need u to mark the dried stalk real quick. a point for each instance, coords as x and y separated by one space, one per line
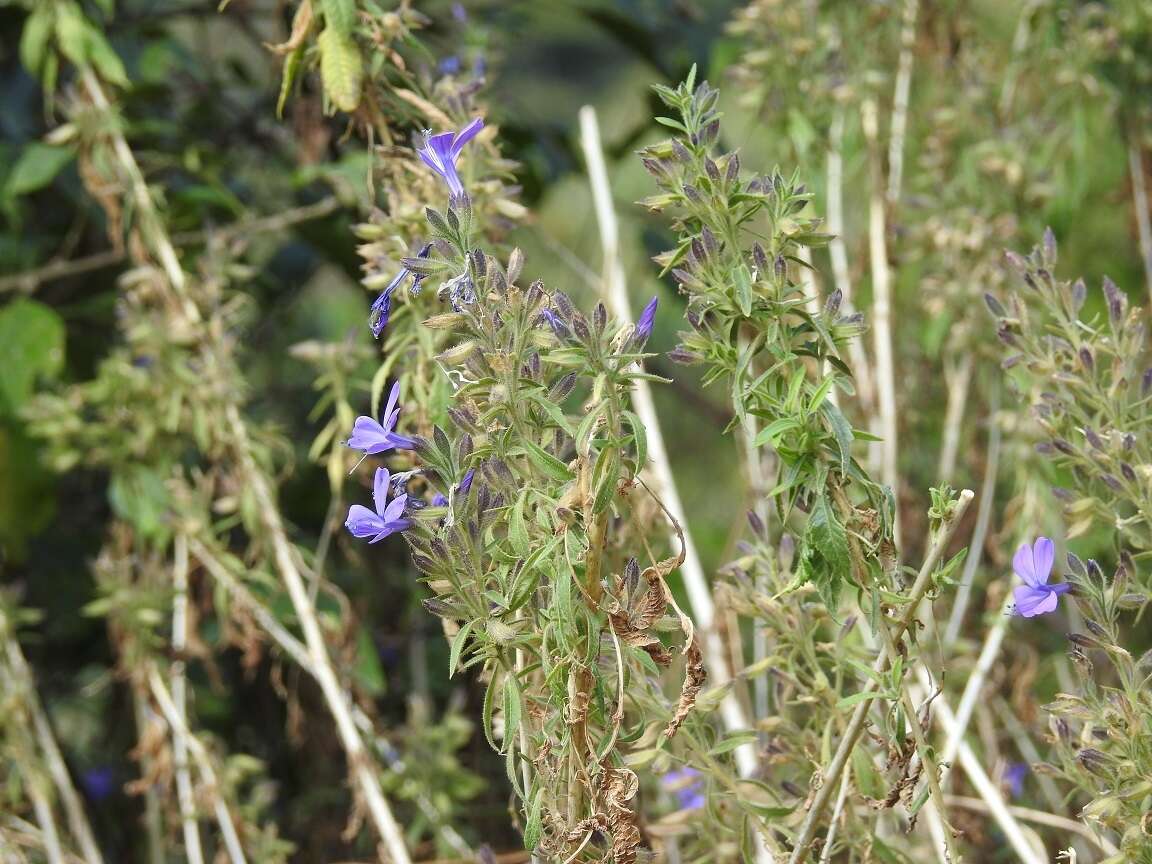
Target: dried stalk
855 727
1039 817
46 741
900 100
959 381
1140 204
185 793
841 273
882 315
178 725
983 521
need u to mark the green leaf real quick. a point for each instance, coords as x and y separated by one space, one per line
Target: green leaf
140 496
35 37
732 742
341 68
27 499
744 290
340 15
841 431
532 827
517 528
31 347
368 672
547 463
489 707
37 166
639 439
826 557
458 643
106 60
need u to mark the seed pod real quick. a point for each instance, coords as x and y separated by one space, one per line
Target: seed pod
732 171
994 306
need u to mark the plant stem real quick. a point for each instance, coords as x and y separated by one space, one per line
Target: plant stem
1140 204
184 790
882 316
856 724
900 100
695 582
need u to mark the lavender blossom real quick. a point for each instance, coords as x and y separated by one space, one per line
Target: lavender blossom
440 153
644 325
1034 566
1013 778
389 515
687 785
372 437
441 500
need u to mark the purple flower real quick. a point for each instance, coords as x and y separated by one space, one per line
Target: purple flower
1034 566
382 307
99 783
439 500
440 153
373 437
1013 778
687 785
644 325
450 65
389 515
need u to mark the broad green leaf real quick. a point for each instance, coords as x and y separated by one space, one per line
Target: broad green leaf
31 347
37 166
341 68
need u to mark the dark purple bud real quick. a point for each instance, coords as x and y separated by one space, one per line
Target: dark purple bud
1128 472
1064 447
1063 731
756 524
655 167
645 322
699 253
994 306
732 171
760 259
709 240
1093 760
535 293
1128 441
1011 360
563 304
712 132
631 575
1079 294
693 318
1082 641
1062 494
832 306
780 267
580 327
1146 382
464 447
1005 334
563 388
1095 440
1086 359
1112 483
711 170
693 194
599 317
1049 246
1094 571
1115 301
681 152
682 355
1096 628
1044 448
1016 260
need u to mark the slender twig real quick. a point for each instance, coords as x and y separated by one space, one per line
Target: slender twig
841 273
46 740
900 96
983 520
811 283
882 315
837 810
959 379
177 723
297 651
184 790
153 818
855 727
1039 817
30 280
1140 204
983 783
696 583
